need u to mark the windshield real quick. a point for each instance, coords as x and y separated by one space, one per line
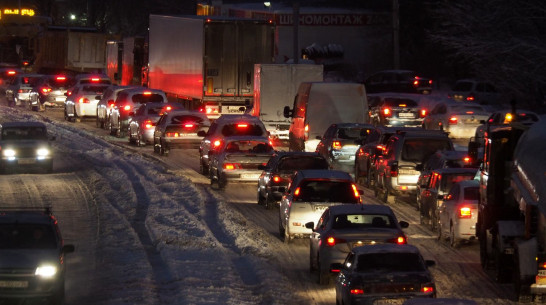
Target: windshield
142 98
353 133
24 133
390 262
418 150
26 236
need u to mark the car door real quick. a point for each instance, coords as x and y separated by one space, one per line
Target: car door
428 195
321 228
323 148
445 211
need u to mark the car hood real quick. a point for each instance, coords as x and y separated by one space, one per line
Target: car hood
27 258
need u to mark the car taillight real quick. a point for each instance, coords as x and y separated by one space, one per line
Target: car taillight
306 132
147 93
297 192
465 212
401 240
467 159
216 143
470 98
394 169
188 125
20 91
276 179
148 124
68 93
427 289
95 79
355 190
360 152
430 81
11 72
387 112
423 113
111 103
208 109
46 90
452 120
60 78
127 108
357 291
230 166
416 82
172 134
83 100
332 241
336 145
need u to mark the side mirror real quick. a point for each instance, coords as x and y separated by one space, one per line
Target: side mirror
310 225
287 112
403 224
201 133
68 249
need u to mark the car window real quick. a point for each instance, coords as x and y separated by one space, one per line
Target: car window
326 191
142 98
390 262
352 133
30 80
242 129
60 82
186 119
472 193
248 146
418 150
302 162
348 221
399 102
27 236
450 179
453 193
24 133
93 89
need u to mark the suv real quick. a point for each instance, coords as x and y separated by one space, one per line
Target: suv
397 169
106 103
225 126
32 262
397 110
473 90
25 144
18 91
398 81
50 90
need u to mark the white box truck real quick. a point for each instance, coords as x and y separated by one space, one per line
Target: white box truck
275 86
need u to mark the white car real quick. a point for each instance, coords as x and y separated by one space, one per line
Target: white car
83 101
459 213
460 120
177 128
308 196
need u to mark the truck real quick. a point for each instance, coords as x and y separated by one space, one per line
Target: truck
275 86
125 60
68 49
512 208
207 62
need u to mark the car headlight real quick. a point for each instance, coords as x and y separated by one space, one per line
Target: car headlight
46 271
8 152
42 152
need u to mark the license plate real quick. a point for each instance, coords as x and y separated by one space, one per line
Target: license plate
60 99
233 109
192 134
13 284
26 161
250 176
406 115
389 302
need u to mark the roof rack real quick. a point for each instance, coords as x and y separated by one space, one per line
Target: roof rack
46 210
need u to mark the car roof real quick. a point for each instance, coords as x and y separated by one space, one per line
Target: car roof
25 215
22 124
360 208
323 173
386 248
456 170
469 183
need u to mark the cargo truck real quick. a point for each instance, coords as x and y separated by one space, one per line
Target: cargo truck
207 62
63 49
275 86
125 60
512 209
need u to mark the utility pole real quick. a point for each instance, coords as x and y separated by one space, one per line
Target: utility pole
396 34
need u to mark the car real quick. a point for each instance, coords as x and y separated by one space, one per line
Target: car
179 129
403 110
278 173
18 90
476 91
433 193
32 256
225 126
238 159
7 74
82 103
342 227
383 274
459 213
397 169
126 103
25 145
143 122
309 194
503 118
439 301
90 78
368 152
51 91
398 81
106 103
460 120
340 142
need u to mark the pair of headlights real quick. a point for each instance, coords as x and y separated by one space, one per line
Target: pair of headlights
40 152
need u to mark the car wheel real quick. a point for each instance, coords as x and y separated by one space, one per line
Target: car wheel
222 181
323 277
281 228
453 242
138 140
119 132
66 117
502 275
213 181
111 128
312 267
261 199
385 194
203 168
97 122
269 202
287 238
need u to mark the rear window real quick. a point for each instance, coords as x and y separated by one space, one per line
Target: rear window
302 162
243 129
60 83
418 150
472 193
94 89
249 146
399 102
390 262
24 133
353 133
90 81
349 221
29 80
327 191
185 119
141 98
526 117
449 180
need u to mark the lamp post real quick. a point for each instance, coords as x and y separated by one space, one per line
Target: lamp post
396 34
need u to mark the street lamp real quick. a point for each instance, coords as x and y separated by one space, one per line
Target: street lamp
72 17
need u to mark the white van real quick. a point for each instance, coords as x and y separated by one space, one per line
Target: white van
320 104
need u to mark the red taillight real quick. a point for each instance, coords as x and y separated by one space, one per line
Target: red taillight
230 166
423 113
470 112
11 72
172 134
216 143
188 125
276 179
69 93
430 81
332 241
355 190
20 91
95 79
148 124
357 291
416 82
127 108
470 98
147 93
542 265
387 112
336 145
46 90
60 78
168 108
83 100
427 289
467 159
452 120
242 125
401 240
465 212
111 103
297 192
360 152
211 109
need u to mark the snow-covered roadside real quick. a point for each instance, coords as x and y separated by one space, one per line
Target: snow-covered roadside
164 240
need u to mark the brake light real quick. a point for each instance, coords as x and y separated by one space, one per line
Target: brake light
168 108
355 190
402 105
297 191
20 91
466 159
401 240
230 166
95 79
11 72
470 98
465 212
306 132
242 125
148 124
423 113
276 179
111 103
330 241
69 93
387 112
127 107
469 112
172 134
357 291
147 93
336 145
60 78
216 143
360 152
507 118
46 90
452 120
83 100
416 82
427 289
542 265
188 125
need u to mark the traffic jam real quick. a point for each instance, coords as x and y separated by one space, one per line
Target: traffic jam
341 170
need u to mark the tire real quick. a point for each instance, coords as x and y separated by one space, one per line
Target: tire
287 238
440 234
97 122
66 117
370 182
138 140
453 242
204 169
221 182
119 131
312 267
113 131
433 220
484 257
156 148
502 275
269 202
281 228
261 199
323 278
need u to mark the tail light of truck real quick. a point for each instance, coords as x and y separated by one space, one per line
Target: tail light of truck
423 113
464 212
83 100
387 112
231 166
45 90
452 120
467 159
336 145
148 124
242 125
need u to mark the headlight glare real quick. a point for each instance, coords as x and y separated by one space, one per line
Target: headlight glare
9 152
42 152
46 271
